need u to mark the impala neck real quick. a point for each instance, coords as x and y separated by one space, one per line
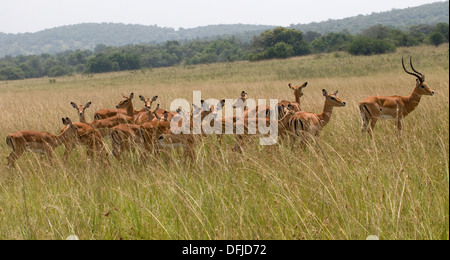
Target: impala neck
325 116
297 98
62 138
150 115
285 120
412 101
130 109
83 119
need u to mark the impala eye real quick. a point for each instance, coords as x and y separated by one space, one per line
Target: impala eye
333 98
423 86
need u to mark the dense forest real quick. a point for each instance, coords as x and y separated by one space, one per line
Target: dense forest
88 36
278 43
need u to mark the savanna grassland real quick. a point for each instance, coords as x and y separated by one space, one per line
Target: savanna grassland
343 187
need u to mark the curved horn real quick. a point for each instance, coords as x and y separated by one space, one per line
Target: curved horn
410 73
421 75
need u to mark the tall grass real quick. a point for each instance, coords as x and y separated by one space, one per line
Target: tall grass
344 187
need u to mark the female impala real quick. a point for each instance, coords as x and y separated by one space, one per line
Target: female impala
89 136
142 118
258 111
309 124
298 93
125 136
102 125
284 126
40 142
393 107
125 107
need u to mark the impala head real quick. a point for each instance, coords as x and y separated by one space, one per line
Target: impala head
152 111
244 96
202 111
80 108
333 100
126 101
70 128
148 102
218 108
298 90
421 87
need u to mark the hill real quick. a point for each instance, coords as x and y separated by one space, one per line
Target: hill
87 36
398 18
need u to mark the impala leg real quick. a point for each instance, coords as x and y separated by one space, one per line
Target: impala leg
116 150
399 124
101 152
373 123
69 149
238 147
14 156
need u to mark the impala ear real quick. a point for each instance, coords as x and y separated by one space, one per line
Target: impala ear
131 95
417 82
290 86
88 105
142 98
66 121
166 116
335 93
221 103
156 115
74 105
154 98
304 85
325 93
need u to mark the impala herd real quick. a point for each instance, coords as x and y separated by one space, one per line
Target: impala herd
150 128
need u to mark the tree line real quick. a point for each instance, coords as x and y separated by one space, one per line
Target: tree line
279 43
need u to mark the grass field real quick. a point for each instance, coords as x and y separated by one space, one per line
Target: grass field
392 187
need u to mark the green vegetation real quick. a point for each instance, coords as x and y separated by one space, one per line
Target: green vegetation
279 43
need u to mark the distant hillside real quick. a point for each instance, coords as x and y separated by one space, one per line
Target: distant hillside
398 18
87 36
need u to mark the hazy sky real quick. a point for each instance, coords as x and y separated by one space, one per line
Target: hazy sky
19 16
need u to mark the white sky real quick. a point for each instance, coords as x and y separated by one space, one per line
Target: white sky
19 16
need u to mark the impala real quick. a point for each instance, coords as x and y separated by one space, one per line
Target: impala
125 136
307 124
102 125
166 139
124 107
298 93
144 117
150 130
40 142
260 111
89 136
283 126
393 107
